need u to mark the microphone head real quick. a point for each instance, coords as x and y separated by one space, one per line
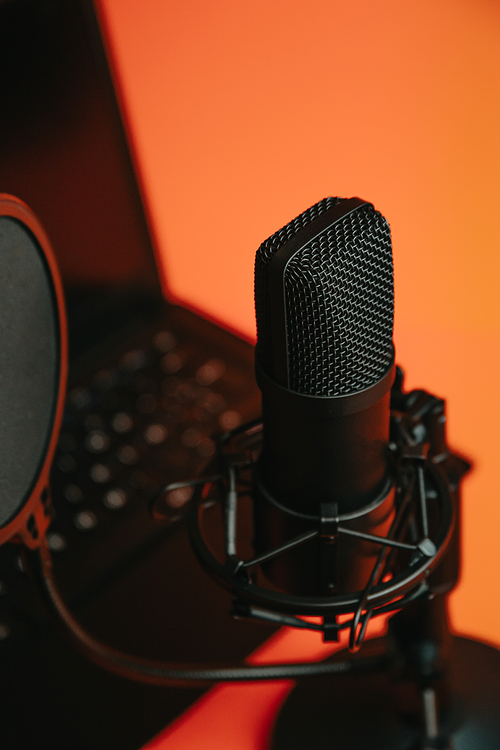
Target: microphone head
324 300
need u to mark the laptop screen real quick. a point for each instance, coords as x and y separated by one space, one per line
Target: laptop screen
63 151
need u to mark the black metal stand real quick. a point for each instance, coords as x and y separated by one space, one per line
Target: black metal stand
431 691
417 689
360 712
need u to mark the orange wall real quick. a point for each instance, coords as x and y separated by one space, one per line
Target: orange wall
245 113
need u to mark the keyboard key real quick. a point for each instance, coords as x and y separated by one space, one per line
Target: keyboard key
164 341
171 363
100 473
122 422
155 434
127 455
210 372
97 441
230 419
134 360
79 398
85 520
56 541
115 499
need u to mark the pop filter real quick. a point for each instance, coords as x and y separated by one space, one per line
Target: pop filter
33 342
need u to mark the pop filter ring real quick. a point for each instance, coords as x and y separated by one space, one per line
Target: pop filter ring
31 519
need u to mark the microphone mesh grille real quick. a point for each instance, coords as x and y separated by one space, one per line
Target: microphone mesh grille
264 255
339 303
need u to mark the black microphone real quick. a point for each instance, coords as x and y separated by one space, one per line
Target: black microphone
346 523
324 300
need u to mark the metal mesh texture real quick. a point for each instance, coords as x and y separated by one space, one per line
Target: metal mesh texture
264 255
339 303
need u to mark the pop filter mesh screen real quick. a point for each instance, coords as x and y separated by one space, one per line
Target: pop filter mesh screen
29 374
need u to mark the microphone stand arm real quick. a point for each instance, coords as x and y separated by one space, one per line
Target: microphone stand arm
419 634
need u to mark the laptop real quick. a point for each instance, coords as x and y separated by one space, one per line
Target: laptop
150 384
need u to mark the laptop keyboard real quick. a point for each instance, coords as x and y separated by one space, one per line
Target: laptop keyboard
146 419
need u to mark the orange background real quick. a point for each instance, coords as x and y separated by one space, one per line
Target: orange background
243 114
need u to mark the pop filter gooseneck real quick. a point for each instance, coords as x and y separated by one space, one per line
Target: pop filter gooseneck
33 341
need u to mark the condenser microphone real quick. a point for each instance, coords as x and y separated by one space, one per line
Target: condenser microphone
324 304
345 522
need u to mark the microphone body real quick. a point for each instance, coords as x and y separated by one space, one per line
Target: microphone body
325 366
